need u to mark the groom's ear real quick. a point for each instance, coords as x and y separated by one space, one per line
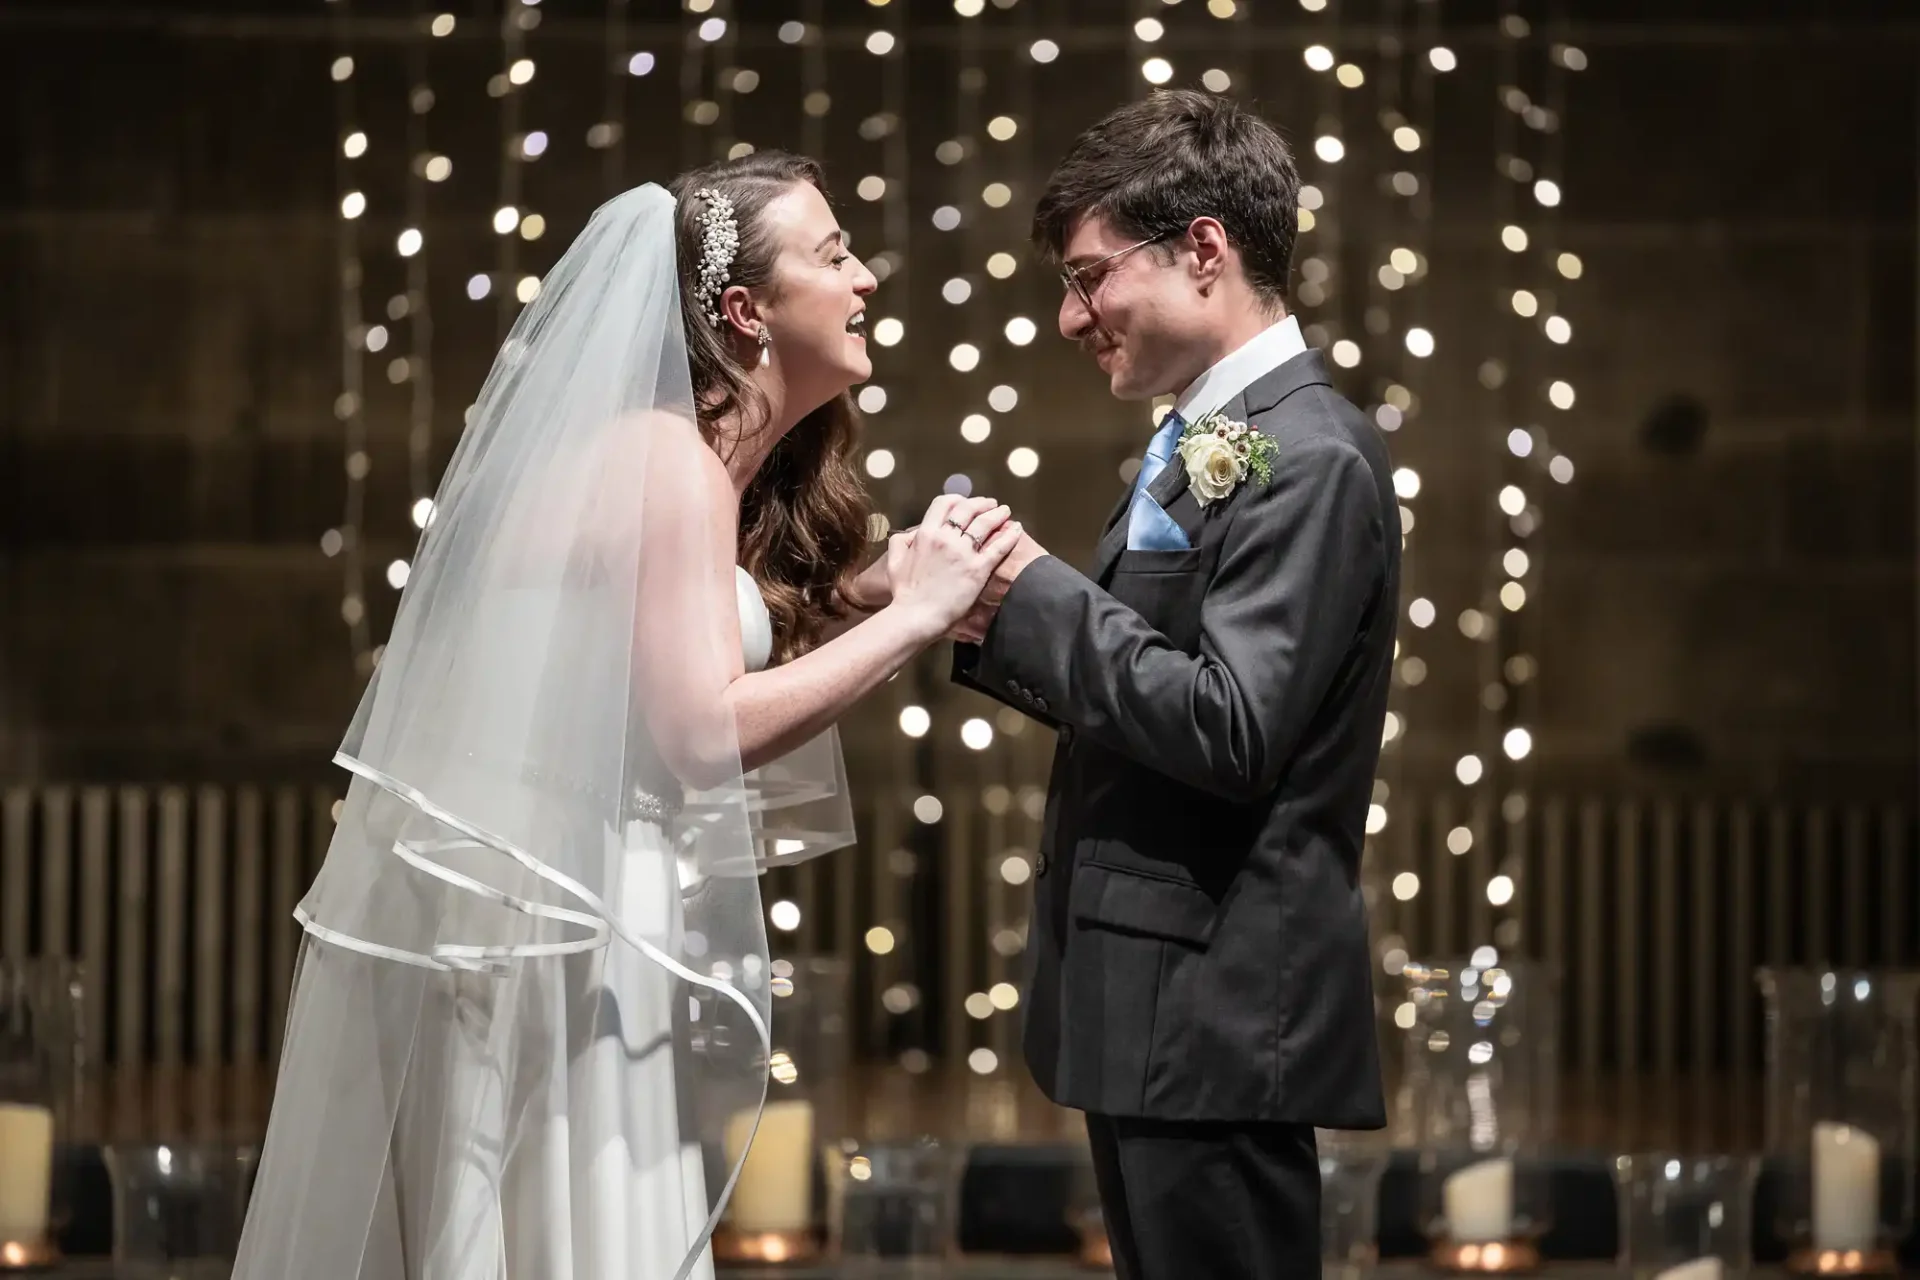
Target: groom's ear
1211 250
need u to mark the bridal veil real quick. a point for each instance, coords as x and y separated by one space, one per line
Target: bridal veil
534 999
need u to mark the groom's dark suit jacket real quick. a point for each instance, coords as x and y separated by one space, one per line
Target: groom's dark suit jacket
1198 949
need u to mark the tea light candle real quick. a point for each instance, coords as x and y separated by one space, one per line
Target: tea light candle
1698 1269
1846 1187
775 1190
1478 1202
26 1172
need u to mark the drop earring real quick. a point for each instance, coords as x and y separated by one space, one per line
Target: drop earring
766 347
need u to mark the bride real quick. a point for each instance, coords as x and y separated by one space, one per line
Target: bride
533 999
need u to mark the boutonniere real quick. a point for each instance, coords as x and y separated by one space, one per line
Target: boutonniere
1220 453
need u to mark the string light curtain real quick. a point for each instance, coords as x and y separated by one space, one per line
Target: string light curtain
1239 54
988 116
998 933
905 842
346 542
1528 382
516 72
806 33
608 134
414 367
1408 58
883 185
1144 47
1319 285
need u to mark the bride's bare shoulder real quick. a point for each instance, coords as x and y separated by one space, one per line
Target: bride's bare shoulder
662 459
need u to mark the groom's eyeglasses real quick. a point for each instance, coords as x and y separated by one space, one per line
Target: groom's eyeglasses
1084 280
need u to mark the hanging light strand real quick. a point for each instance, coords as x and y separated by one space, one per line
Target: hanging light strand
415 305
1524 375
516 72
814 100
728 80
896 214
707 42
347 542
1537 390
1397 314
1322 291
609 136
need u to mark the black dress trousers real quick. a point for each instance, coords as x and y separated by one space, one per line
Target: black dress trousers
1213 1200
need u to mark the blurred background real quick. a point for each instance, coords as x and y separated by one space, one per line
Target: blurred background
1629 286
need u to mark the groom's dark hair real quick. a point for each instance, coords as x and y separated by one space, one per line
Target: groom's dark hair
1152 167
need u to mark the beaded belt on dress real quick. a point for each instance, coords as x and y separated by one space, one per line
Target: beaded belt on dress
648 807
644 805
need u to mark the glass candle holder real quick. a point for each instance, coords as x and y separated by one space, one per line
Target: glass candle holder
1481 1086
1685 1217
39 1064
1351 1167
893 1202
778 1210
1841 1066
177 1209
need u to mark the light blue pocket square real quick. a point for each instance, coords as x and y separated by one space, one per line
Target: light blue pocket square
1150 528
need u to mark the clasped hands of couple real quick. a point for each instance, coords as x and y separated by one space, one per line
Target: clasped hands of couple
955 566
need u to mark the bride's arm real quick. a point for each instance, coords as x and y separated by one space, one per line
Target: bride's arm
705 711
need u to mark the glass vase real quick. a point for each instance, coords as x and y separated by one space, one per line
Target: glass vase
778 1212
1841 1062
39 1063
1685 1217
1351 1167
1481 1086
894 1205
177 1209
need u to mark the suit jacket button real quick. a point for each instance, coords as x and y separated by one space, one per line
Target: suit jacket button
1040 864
1013 686
1039 704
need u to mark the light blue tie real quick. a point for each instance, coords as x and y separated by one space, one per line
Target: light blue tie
1149 527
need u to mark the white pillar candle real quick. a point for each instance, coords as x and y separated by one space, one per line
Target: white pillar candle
26 1172
775 1190
1846 1187
1478 1201
1698 1269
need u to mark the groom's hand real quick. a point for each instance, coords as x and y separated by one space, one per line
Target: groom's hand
972 629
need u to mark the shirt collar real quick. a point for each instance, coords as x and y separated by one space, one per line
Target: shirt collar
1272 347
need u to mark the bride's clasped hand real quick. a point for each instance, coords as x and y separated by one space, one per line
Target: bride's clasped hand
938 569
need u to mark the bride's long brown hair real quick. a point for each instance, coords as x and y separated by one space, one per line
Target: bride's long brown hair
803 517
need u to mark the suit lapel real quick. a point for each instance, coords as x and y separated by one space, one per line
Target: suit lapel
1171 489
1120 509
1113 541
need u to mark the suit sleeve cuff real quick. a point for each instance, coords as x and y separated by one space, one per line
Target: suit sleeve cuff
1023 658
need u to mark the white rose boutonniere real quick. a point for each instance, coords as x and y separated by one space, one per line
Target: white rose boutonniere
1220 453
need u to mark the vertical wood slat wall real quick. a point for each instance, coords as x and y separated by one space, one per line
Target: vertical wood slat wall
1655 911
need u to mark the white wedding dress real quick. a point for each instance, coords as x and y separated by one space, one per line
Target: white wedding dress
539 1128
606 1189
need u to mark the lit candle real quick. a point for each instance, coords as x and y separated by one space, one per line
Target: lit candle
1478 1201
1698 1269
775 1190
26 1172
1846 1187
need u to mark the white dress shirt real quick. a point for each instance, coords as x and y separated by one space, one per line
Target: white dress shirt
1272 347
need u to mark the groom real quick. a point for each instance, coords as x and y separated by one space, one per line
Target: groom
1200 981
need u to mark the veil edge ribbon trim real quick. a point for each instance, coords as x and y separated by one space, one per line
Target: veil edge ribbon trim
603 925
